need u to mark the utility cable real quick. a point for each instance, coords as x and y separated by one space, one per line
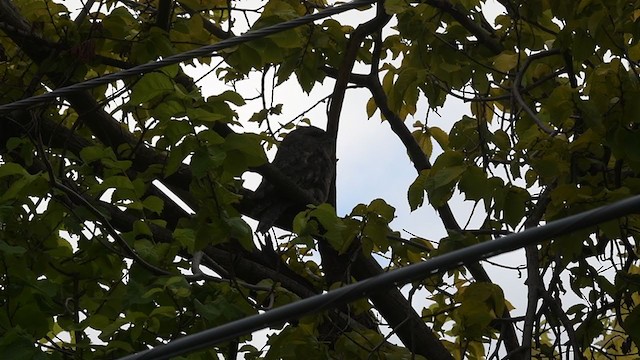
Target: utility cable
334 298
187 55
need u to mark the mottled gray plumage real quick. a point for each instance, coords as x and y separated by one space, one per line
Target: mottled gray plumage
305 157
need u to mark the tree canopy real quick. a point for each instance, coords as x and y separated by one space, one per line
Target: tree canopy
125 204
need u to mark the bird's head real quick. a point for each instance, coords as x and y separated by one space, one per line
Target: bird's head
309 135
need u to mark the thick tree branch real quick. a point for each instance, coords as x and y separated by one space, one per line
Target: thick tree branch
336 265
163 14
391 304
401 316
350 57
534 280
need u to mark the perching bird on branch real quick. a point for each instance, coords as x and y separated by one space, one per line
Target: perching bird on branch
305 157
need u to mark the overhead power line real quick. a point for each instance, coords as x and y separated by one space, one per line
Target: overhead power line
187 55
331 299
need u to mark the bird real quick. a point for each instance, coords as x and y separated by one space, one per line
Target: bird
306 157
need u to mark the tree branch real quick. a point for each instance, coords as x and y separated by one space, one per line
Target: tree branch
517 84
481 33
163 14
391 304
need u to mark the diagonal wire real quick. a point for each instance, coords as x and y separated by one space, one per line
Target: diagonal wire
187 55
331 299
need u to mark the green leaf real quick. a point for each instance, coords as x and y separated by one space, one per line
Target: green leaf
501 139
441 137
248 146
424 141
232 97
309 73
634 52
384 210
396 6
205 160
116 182
505 61
178 286
8 169
153 203
169 109
35 320
201 115
590 329
240 231
164 311
443 176
376 231
416 190
473 184
300 223
118 23
515 205
480 304
11 250
178 154
149 86
334 227
19 345
440 194
122 165
631 324
372 107
186 238
259 116
175 131
19 188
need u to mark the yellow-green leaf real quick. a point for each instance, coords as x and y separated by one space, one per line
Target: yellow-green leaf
505 62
